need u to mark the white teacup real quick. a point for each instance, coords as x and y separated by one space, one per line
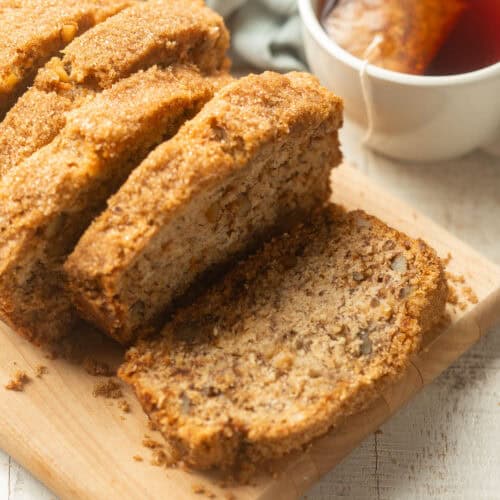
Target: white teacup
419 118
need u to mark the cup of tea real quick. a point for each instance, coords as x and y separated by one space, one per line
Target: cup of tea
419 117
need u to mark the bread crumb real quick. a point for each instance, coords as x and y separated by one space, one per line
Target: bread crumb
200 489
97 368
138 458
18 381
109 389
447 259
470 295
41 370
452 296
124 406
147 442
159 458
455 278
152 426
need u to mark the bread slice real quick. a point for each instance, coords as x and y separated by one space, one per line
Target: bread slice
158 32
304 333
35 30
260 151
47 201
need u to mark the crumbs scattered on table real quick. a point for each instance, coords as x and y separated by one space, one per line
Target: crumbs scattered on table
41 370
465 292
160 455
18 381
109 389
124 406
97 368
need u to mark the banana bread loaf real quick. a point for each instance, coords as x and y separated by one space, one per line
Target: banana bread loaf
158 32
35 30
47 201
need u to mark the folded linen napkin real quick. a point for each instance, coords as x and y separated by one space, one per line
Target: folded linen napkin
266 34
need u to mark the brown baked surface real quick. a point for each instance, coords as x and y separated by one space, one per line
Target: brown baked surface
304 333
257 153
35 30
49 199
158 32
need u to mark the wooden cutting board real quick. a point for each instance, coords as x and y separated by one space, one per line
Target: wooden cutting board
83 446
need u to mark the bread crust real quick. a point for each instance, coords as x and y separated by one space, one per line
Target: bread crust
35 30
157 32
257 153
295 339
48 200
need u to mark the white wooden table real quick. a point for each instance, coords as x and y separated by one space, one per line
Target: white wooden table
446 443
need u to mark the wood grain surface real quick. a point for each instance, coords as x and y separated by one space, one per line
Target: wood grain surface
82 446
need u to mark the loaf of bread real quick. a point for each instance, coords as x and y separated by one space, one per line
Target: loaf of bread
294 339
48 200
32 31
158 32
258 153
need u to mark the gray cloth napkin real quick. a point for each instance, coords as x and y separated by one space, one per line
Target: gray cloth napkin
265 34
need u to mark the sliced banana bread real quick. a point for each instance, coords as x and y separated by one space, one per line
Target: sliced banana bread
259 152
155 32
47 201
299 336
32 31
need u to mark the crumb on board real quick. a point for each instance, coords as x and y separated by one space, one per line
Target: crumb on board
124 406
452 295
109 389
447 259
97 368
470 295
41 370
147 442
152 426
466 291
17 381
138 458
159 458
200 489
455 278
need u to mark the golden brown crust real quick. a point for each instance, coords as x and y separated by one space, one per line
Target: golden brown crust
155 32
47 201
35 30
259 151
298 337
